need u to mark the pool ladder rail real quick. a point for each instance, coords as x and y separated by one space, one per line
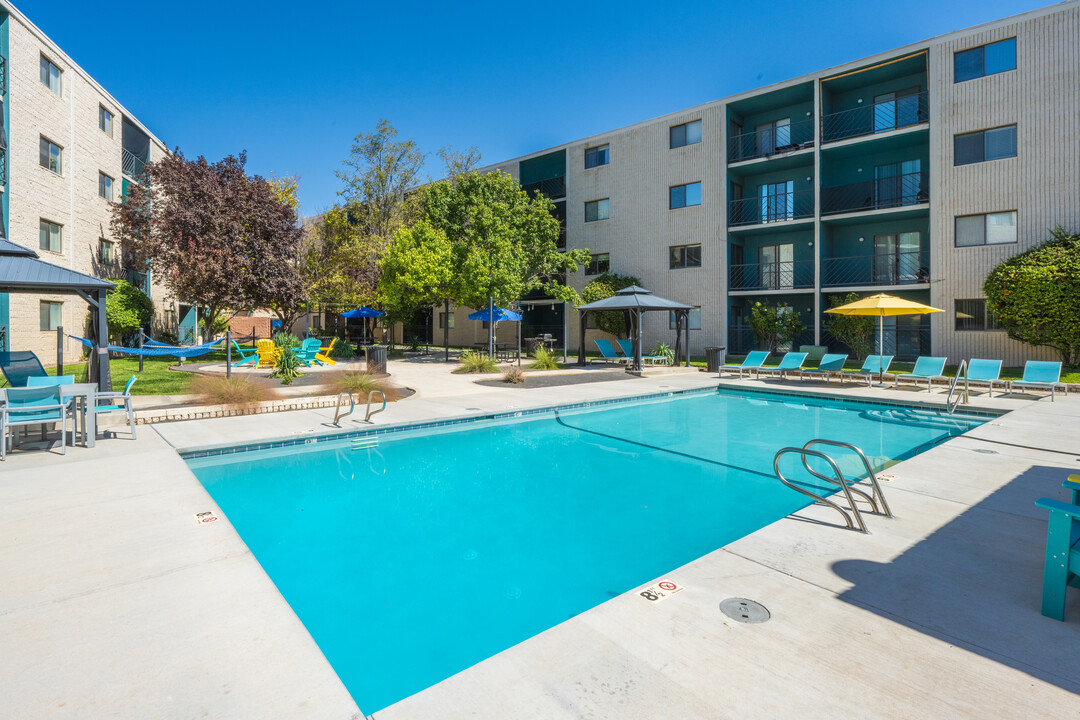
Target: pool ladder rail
852 516
961 396
340 412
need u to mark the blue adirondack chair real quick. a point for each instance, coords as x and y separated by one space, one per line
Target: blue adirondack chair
33 406
246 356
829 365
1041 374
307 351
1062 568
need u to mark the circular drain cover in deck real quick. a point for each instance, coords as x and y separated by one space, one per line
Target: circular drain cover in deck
744 611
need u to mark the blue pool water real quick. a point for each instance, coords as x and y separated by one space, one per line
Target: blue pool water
416 559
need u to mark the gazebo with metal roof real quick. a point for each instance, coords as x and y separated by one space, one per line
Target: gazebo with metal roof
635 301
22 271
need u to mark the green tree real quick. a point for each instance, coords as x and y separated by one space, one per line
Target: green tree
774 327
604 286
1035 295
458 162
340 263
127 309
503 241
855 331
285 191
417 270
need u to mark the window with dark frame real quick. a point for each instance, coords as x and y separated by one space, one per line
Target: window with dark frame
105 120
984 60
680 196
51 236
51 76
686 134
106 255
52 315
105 186
597 210
998 228
445 318
694 318
599 264
684 256
984 145
599 155
974 314
50 155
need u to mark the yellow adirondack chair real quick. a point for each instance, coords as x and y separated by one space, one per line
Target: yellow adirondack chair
268 353
324 353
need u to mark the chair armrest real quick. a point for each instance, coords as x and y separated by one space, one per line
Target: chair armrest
1052 505
101 395
1071 483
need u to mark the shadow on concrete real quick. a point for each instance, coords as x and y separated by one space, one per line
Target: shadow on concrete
977 583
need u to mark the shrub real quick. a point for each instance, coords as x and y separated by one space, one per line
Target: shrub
236 391
543 359
514 375
664 350
855 331
288 367
604 286
127 308
1035 295
476 362
774 326
343 349
355 381
415 344
285 339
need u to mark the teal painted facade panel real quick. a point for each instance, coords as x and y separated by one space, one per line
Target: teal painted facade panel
545 167
5 317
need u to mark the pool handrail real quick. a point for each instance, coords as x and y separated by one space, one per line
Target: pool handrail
818 499
871 475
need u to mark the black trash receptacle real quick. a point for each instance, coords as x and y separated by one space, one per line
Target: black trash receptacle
376 359
714 358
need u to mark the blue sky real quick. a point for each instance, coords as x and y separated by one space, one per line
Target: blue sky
292 83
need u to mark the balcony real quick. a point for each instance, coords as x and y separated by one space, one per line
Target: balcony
771 140
778 275
780 207
551 188
133 164
887 192
904 268
904 111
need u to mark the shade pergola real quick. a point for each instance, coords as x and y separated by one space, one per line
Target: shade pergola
635 301
22 271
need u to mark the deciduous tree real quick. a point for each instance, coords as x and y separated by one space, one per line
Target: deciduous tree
855 331
604 286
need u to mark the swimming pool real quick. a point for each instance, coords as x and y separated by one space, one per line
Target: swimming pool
410 561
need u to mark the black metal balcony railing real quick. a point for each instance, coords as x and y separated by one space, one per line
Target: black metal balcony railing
904 111
771 208
886 192
133 165
551 188
741 339
779 275
771 141
905 268
904 343
3 75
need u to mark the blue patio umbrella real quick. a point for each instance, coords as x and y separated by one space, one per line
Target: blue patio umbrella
499 314
363 312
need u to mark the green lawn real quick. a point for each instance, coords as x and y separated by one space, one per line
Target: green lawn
155 379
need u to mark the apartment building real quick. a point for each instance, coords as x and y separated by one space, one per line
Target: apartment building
912 172
68 150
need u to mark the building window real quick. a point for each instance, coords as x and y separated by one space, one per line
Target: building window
446 321
975 315
50 155
695 319
50 237
106 256
51 315
51 75
598 264
105 120
681 196
596 156
685 134
984 60
597 210
104 186
984 145
989 229
684 256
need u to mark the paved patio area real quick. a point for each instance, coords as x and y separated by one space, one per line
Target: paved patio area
117 604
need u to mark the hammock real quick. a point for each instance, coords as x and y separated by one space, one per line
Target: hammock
154 348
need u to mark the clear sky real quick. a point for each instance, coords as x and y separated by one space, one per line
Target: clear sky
292 83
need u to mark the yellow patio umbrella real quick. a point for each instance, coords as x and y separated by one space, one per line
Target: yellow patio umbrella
883 306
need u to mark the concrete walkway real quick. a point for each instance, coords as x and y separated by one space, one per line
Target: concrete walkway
117 604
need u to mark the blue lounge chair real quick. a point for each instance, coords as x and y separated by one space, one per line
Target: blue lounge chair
985 371
33 406
19 365
791 362
307 351
627 346
1062 565
246 356
872 365
118 402
1040 373
753 361
828 366
926 368
608 352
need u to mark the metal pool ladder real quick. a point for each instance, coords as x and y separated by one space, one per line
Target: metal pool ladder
853 520
961 396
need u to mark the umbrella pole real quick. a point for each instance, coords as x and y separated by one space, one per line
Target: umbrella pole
881 348
491 327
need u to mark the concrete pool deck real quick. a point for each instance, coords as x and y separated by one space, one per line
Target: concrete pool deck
117 604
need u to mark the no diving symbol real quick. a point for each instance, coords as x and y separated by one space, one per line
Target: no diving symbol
669 586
